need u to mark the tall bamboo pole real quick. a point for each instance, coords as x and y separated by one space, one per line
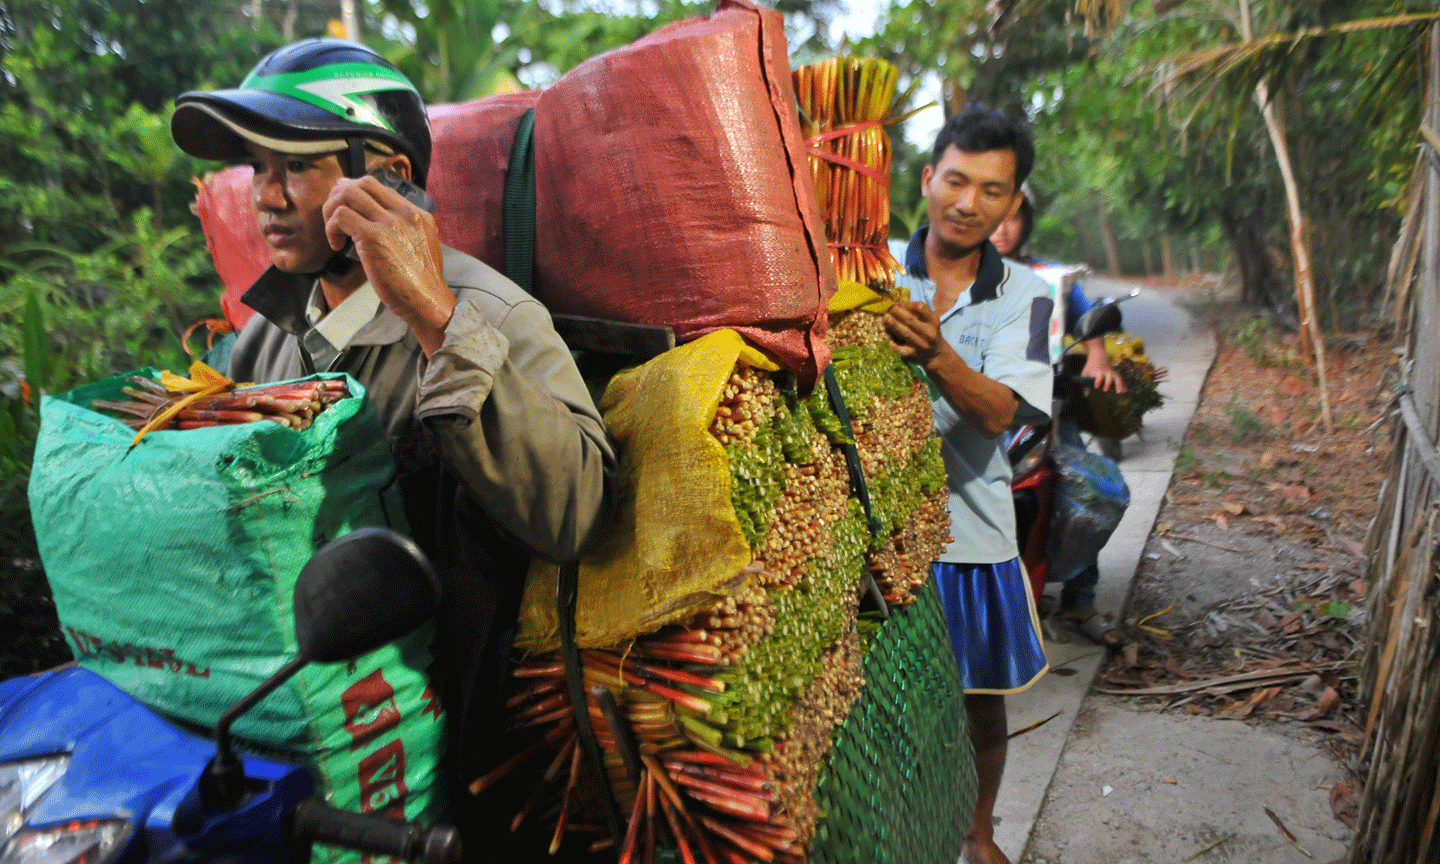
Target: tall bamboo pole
1300 250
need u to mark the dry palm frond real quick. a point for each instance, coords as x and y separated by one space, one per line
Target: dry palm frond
1242 65
1223 58
1229 75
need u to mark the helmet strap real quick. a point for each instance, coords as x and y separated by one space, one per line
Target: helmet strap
355 157
352 162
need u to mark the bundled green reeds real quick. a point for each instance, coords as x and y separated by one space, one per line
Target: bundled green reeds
730 714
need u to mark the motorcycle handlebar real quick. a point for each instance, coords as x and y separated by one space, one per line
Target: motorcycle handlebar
314 821
1068 385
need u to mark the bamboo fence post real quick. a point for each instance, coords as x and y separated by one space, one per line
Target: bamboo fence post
1400 804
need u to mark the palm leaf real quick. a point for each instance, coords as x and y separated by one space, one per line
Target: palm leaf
1228 74
1246 64
36 349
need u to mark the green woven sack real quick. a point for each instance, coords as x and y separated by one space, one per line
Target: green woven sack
173 565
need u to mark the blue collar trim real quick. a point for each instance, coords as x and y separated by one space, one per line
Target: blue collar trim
987 281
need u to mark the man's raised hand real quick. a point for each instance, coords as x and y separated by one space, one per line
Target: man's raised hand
399 248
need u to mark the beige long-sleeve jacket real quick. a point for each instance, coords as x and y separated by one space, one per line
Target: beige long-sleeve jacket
501 453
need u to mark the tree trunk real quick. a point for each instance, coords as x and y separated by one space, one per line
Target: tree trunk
350 20
1167 256
1146 257
1107 236
1245 234
287 26
1304 286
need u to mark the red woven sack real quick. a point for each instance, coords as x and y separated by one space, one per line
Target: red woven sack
672 188
239 252
468 162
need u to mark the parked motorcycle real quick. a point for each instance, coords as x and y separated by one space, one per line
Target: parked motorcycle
90 776
1035 474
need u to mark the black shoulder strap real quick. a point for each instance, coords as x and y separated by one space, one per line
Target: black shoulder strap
518 209
518 206
873 598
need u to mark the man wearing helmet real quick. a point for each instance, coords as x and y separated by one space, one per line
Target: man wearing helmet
501 452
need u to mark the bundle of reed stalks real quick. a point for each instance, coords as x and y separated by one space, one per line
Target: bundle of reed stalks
208 398
1120 415
715 730
845 105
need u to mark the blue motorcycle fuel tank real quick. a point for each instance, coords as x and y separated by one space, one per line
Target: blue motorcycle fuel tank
126 762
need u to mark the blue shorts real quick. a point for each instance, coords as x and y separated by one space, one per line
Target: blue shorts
994 629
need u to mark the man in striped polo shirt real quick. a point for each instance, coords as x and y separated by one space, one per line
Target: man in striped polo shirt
978 327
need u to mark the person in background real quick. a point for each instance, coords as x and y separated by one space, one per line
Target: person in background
1011 239
1077 596
501 454
978 327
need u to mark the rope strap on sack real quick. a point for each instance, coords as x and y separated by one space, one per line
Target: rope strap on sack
518 206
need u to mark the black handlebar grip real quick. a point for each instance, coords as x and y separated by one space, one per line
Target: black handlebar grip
315 821
1068 384
442 846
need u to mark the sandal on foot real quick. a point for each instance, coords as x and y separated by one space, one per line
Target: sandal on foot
1094 628
1046 606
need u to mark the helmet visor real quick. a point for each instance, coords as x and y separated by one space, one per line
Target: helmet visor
205 131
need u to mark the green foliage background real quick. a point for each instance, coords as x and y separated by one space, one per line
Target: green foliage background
1189 163
102 265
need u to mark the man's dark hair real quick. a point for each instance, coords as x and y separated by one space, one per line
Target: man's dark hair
1027 226
977 128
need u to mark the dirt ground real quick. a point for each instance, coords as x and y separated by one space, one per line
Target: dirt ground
1256 564
1248 604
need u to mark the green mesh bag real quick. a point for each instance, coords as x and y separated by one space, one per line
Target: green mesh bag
899 786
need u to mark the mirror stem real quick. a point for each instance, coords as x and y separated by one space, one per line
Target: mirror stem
223 783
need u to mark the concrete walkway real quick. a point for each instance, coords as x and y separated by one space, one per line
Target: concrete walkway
1170 341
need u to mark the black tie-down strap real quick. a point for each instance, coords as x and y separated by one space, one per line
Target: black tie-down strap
518 210
568 594
872 600
518 206
585 336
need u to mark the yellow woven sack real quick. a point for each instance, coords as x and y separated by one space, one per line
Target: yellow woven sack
850 296
675 546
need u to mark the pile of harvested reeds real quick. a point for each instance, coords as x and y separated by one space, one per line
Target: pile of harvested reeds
292 404
845 105
208 398
715 731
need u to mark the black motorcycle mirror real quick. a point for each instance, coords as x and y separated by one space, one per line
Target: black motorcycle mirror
1103 318
356 594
